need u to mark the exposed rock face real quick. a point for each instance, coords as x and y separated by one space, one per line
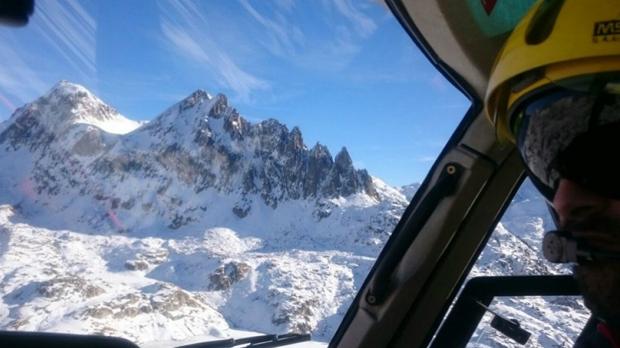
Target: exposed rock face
165 300
199 144
217 216
409 190
242 209
225 276
136 265
345 179
60 287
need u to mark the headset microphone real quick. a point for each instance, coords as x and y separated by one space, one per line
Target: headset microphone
561 247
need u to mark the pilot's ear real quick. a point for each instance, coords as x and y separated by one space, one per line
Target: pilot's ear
15 12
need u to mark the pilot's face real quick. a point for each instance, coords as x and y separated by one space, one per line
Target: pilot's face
596 220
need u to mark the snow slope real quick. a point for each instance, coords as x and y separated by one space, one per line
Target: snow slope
514 249
197 223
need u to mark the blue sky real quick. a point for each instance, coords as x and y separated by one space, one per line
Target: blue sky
343 71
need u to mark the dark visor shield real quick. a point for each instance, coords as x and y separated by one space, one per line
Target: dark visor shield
574 135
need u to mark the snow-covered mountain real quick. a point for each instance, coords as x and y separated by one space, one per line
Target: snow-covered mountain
200 223
198 148
409 190
195 222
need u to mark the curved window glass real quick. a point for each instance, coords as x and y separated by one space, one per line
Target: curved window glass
181 171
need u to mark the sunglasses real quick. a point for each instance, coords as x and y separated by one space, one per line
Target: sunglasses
572 133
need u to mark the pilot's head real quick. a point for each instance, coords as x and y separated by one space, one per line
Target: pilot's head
555 92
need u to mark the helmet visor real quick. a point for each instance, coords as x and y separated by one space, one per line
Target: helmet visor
572 134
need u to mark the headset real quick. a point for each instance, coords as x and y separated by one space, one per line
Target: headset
560 247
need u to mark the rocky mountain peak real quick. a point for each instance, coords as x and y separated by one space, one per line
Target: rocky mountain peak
64 113
320 151
409 190
197 97
220 106
343 159
71 102
272 126
201 143
236 126
66 88
296 139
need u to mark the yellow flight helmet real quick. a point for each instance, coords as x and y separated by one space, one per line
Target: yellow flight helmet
556 41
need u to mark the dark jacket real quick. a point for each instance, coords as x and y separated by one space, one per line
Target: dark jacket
595 335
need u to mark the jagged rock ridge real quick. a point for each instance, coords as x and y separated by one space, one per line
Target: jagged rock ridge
231 224
197 221
200 143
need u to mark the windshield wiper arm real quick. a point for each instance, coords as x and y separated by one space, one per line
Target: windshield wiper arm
262 341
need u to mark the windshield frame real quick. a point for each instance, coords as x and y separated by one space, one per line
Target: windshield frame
399 10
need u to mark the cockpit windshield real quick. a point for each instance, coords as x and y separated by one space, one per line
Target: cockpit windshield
184 171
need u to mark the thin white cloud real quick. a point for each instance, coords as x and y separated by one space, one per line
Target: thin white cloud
67 29
284 37
286 5
188 31
343 25
70 29
364 25
18 82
